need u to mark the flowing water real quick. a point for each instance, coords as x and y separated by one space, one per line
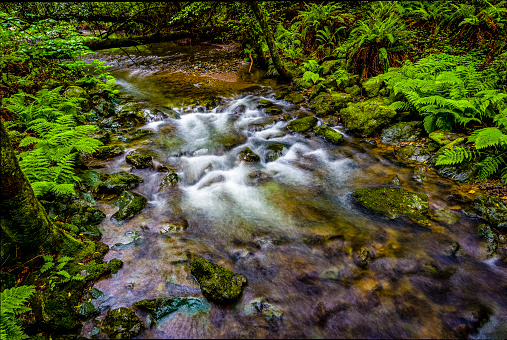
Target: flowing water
288 223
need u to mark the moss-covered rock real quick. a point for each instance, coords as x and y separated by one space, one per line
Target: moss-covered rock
273 110
401 132
248 155
128 241
366 117
130 113
329 103
108 151
217 284
372 87
302 124
329 134
354 90
159 308
117 183
129 204
87 310
122 323
140 160
444 137
77 209
295 98
394 202
491 238
492 209
329 66
275 150
281 94
264 103
412 153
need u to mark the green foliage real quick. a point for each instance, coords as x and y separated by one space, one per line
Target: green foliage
58 139
12 304
58 275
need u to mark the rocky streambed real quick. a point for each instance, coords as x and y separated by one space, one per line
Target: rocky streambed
255 209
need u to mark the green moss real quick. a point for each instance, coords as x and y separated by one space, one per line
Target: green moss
353 90
217 283
372 87
444 137
329 66
295 98
118 182
130 204
122 323
394 202
249 156
329 103
492 209
302 124
273 110
140 161
115 265
367 116
265 103
329 134
108 151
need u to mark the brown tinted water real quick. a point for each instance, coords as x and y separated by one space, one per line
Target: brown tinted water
288 223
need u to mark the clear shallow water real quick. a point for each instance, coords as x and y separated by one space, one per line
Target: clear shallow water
289 224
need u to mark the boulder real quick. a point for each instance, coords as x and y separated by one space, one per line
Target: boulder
140 160
117 183
295 98
264 103
372 87
491 239
412 153
76 92
122 323
108 151
492 209
275 150
401 132
366 117
77 209
330 103
302 124
329 134
329 66
217 284
158 308
394 202
130 204
444 137
353 90
132 114
273 110
248 155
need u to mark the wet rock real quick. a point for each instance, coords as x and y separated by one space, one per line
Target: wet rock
275 150
217 284
117 183
93 294
446 216
108 151
273 110
258 177
238 110
366 117
432 269
87 311
419 174
340 272
396 180
453 250
248 155
140 160
170 179
394 202
264 103
122 323
401 132
78 209
240 254
281 95
365 255
372 87
444 137
158 308
329 103
295 98
412 153
130 113
369 143
302 124
462 173
492 209
329 134
130 204
264 307
487 234
130 240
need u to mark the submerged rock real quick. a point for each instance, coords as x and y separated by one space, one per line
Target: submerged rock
140 160
329 134
117 183
159 308
217 284
248 155
170 179
122 323
487 234
394 202
366 117
87 310
412 153
262 306
275 151
130 204
302 124
492 209
128 241
401 132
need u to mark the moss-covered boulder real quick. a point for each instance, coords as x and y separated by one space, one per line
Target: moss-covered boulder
444 137
372 87
87 310
108 151
273 110
302 124
329 134
140 160
491 239
394 202
217 284
366 117
354 90
401 132
122 323
264 103
117 183
248 155
330 103
295 98
492 209
75 92
132 114
412 153
159 308
329 66
77 209
281 94
275 150
129 204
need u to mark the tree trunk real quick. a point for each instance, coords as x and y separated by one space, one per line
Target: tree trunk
22 218
277 61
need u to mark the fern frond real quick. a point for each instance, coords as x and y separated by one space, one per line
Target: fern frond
490 165
454 156
488 137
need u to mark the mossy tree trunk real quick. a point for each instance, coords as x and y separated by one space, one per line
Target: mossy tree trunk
270 41
26 228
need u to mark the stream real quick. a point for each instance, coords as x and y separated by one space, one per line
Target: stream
287 222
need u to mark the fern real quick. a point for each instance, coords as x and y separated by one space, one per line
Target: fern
12 304
454 156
